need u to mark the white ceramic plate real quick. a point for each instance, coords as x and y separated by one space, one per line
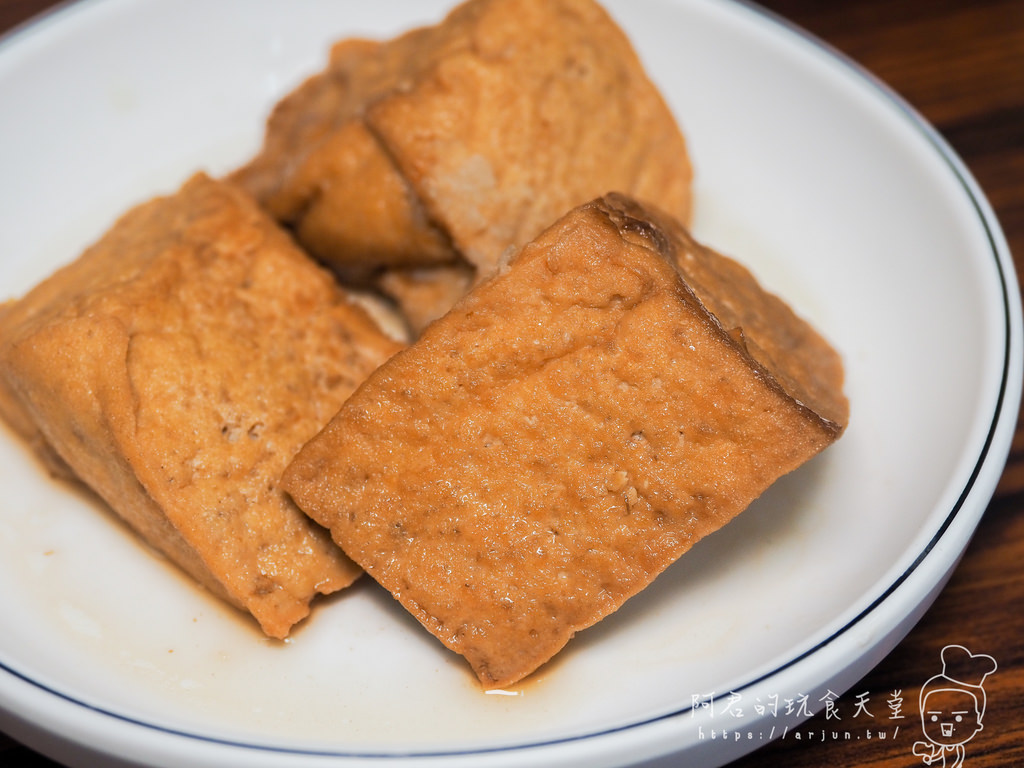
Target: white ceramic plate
827 186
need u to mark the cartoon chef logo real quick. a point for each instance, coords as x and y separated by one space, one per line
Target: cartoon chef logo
953 706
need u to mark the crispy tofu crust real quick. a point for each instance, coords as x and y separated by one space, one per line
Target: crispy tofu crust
176 367
567 431
472 135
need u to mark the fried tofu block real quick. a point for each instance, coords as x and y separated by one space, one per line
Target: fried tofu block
423 294
538 106
176 367
348 205
567 431
473 135
322 173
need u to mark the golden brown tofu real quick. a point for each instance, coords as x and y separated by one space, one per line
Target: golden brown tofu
21 422
472 135
176 367
348 205
567 431
423 294
321 172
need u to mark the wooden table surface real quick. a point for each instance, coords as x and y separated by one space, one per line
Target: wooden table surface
960 63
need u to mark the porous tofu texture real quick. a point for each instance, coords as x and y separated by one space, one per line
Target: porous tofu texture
471 135
176 367
566 432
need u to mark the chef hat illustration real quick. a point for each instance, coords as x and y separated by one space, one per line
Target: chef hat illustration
962 670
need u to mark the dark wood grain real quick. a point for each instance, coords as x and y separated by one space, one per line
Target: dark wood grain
15 12
960 63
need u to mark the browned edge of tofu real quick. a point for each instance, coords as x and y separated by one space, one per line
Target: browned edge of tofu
792 354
